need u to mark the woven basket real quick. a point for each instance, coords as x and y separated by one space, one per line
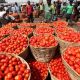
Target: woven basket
22 60
63 44
43 54
73 74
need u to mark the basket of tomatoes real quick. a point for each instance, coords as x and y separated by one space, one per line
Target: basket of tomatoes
71 60
15 44
43 47
66 37
57 70
13 67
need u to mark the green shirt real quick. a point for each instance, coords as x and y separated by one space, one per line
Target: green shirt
47 8
47 11
69 9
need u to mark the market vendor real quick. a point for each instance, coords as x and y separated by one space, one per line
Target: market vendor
5 17
8 17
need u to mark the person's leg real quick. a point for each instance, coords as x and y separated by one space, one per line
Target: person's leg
28 18
31 18
67 17
70 18
0 24
76 18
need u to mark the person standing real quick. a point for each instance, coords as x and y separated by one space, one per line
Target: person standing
17 8
37 10
53 9
41 8
69 12
47 9
29 11
58 7
63 9
12 8
76 12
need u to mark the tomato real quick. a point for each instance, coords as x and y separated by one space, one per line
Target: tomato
18 77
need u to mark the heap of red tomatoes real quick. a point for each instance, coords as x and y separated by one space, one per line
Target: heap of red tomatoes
12 68
68 34
39 71
60 23
72 57
44 30
13 44
23 30
4 32
58 70
43 41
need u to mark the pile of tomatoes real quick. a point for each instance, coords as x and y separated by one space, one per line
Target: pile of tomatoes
24 24
44 30
5 32
43 41
58 70
72 57
39 71
13 44
23 30
12 68
68 34
60 23
10 25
